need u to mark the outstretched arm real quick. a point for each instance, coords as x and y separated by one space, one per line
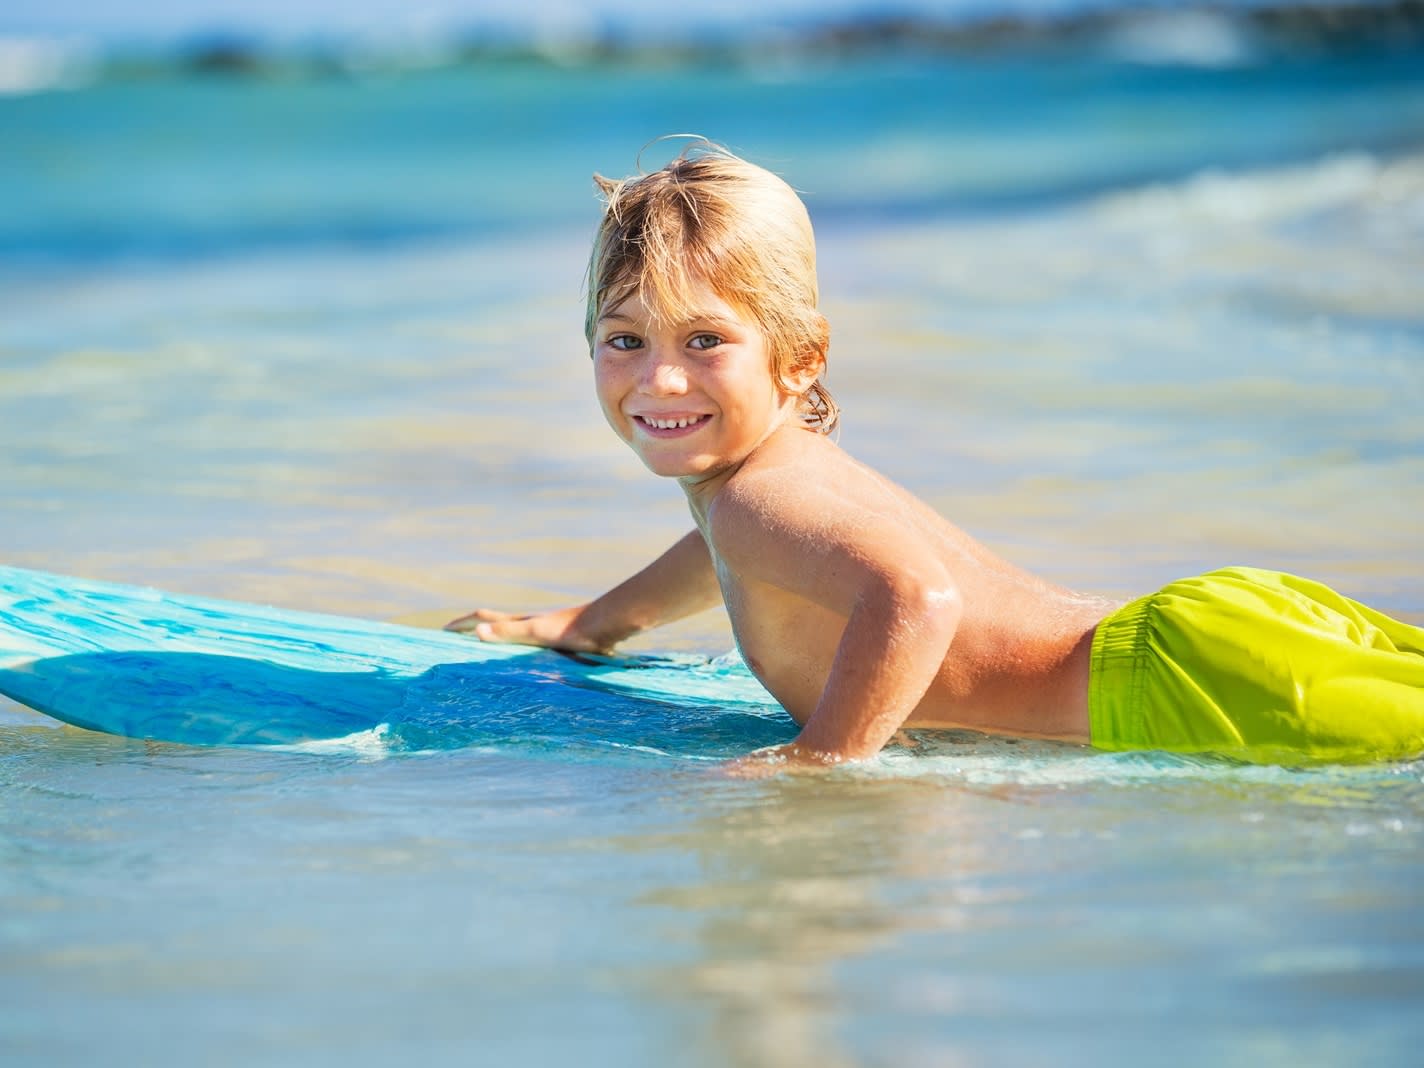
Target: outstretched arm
678 583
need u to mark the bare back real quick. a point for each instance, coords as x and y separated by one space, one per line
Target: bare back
1018 663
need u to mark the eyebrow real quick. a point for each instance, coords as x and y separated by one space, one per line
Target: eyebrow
708 318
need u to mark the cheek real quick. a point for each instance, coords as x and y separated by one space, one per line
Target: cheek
605 378
610 388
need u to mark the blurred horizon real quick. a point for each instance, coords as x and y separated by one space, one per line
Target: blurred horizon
71 44
234 142
272 22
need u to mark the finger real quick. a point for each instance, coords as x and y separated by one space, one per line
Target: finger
465 624
494 614
515 629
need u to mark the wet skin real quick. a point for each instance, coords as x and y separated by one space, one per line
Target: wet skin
857 606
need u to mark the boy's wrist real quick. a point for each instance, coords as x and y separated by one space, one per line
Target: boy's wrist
594 626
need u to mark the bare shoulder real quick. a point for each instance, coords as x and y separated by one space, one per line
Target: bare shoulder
784 480
800 494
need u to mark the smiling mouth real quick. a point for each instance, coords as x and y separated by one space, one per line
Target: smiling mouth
659 426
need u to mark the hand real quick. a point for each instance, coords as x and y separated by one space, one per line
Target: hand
558 629
778 760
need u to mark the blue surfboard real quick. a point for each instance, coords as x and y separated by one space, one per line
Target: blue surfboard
147 664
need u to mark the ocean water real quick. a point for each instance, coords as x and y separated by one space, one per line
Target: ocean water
1122 308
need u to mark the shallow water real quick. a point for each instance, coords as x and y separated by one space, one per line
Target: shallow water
1208 350
259 906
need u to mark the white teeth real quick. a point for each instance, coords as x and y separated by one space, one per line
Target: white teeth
669 424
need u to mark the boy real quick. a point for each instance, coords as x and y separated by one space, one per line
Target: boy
859 608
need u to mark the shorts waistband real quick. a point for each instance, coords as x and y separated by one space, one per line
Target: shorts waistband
1115 674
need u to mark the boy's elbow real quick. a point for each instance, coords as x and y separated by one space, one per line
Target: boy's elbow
931 603
942 607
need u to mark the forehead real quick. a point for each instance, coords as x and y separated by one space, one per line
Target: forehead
701 303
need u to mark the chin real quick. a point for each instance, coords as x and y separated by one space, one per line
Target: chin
673 469
677 466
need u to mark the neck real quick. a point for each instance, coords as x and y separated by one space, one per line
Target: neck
702 490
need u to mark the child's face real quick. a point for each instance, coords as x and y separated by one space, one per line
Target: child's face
691 399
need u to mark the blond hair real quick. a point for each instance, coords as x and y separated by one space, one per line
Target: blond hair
709 218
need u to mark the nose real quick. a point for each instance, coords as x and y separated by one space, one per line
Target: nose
661 375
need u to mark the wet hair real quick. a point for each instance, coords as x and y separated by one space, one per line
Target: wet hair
709 218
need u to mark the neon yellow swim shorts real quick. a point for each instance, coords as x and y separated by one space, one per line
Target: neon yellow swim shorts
1260 666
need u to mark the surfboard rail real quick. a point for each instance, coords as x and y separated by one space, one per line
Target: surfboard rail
146 663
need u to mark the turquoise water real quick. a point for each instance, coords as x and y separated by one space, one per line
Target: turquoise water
314 341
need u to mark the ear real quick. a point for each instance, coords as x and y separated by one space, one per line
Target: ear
811 360
802 376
